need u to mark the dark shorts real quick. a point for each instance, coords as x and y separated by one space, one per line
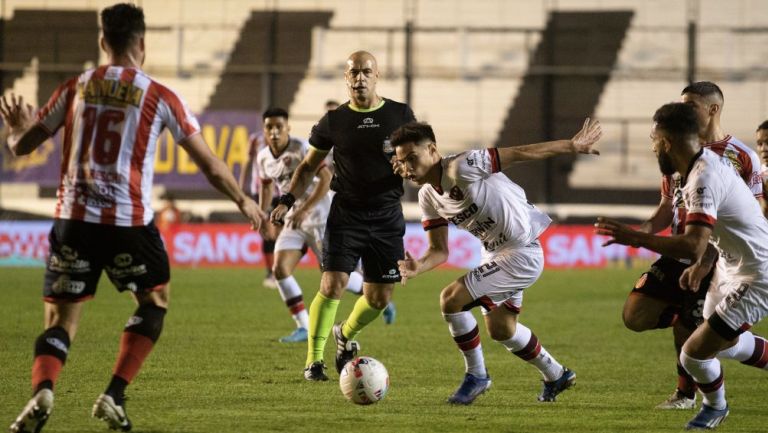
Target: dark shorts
373 235
662 281
134 259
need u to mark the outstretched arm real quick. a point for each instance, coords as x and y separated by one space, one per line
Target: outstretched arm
582 142
690 245
436 255
25 134
660 219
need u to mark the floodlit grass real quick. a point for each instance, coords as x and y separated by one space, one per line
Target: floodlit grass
219 368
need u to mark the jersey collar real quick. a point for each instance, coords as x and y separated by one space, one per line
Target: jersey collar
439 188
282 152
690 166
366 110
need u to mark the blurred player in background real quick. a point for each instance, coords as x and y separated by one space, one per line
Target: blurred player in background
112 116
304 224
721 209
468 190
657 301
331 104
366 218
762 150
249 182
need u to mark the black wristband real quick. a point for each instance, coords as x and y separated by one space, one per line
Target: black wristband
287 199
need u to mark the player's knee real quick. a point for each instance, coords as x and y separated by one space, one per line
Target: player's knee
147 321
448 302
634 322
281 271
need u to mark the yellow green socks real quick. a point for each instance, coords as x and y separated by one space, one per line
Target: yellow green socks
361 315
322 314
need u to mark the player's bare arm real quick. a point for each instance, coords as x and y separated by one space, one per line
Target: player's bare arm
692 276
221 178
436 254
582 142
321 189
25 134
660 219
266 192
300 181
690 245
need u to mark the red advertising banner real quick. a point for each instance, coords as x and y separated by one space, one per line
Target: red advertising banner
226 245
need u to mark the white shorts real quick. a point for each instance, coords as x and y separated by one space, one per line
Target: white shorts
501 278
294 239
741 304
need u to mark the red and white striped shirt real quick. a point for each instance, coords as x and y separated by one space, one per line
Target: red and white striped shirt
732 151
112 117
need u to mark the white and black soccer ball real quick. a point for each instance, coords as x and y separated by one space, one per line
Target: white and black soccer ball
364 380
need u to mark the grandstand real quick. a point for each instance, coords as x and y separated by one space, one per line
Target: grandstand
485 90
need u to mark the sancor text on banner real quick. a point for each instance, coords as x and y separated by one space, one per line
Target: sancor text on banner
25 243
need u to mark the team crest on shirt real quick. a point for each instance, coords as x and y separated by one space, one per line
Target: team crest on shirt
456 193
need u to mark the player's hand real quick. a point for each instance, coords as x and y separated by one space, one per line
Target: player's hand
397 166
693 275
278 215
590 133
253 212
298 217
408 268
17 115
620 233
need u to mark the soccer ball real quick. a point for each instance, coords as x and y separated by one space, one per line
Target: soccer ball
364 380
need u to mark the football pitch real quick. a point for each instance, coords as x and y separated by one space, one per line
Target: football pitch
218 366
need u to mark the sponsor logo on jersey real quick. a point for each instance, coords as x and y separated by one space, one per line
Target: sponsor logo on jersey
466 213
368 122
110 92
492 245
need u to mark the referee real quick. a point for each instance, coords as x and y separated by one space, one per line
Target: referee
365 221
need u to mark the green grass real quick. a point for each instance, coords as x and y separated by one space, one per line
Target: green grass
219 368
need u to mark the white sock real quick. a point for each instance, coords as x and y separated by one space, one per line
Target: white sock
526 346
355 283
742 350
465 333
708 374
290 292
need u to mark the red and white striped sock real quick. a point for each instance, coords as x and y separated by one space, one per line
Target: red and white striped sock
466 334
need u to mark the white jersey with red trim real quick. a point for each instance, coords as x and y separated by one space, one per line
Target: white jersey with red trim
477 198
112 117
732 151
716 197
279 169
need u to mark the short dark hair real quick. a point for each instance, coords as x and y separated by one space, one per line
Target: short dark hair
677 119
412 132
704 89
121 24
332 102
763 125
274 112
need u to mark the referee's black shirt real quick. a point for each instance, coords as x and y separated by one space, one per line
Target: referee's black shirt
362 153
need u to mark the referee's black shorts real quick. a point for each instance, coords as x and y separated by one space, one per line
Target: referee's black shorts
373 235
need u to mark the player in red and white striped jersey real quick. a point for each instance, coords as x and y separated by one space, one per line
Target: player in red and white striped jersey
723 219
657 300
111 117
